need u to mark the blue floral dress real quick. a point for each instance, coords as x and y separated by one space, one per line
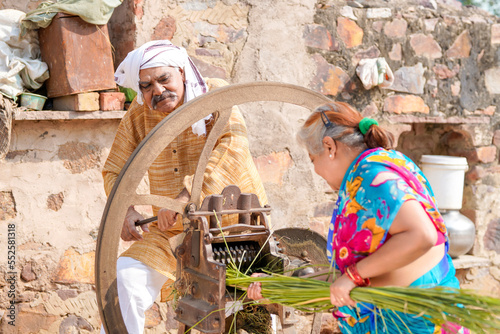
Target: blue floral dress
374 188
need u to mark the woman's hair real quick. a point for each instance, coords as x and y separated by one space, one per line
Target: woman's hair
342 124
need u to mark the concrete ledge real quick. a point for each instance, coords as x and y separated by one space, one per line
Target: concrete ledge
469 261
50 115
439 119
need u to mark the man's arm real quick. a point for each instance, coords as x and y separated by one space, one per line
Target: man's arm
129 134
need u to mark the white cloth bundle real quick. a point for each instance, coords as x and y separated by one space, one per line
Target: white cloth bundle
374 72
21 66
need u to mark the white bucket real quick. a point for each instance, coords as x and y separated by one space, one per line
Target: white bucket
446 176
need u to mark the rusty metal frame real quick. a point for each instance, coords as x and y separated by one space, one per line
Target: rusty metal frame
124 191
201 278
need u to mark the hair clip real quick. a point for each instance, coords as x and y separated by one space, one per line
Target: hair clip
326 120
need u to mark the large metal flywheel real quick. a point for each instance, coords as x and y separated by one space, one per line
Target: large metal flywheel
124 192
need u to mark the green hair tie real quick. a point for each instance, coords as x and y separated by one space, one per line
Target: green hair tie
365 124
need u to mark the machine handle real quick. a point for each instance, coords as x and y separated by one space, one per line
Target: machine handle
145 221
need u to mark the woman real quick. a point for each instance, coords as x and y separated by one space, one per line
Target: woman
386 229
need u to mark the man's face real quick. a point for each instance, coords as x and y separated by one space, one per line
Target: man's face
162 87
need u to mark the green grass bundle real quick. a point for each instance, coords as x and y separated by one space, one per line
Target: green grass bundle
481 314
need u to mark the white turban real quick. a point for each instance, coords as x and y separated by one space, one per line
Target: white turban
157 54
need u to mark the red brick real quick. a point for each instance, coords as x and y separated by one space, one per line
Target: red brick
76 268
165 29
138 8
317 36
475 173
111 101
461 47
405 104
486 154
77 102
396 28
490 111
443 72
329 79
426 46
349 32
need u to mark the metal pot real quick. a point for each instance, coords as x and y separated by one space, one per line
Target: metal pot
461 232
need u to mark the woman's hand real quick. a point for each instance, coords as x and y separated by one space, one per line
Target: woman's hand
340 290
254 290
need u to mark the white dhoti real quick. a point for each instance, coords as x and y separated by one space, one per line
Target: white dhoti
138 286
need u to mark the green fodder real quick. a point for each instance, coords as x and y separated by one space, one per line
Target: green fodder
481 314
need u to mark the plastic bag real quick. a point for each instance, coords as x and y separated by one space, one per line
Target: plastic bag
374 72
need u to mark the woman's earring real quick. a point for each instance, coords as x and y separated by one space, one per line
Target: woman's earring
330 156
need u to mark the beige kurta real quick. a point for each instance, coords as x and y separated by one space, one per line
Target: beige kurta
229 163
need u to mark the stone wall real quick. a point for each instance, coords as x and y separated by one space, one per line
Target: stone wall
51 191
446 62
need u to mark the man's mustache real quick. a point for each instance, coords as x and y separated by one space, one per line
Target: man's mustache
165 95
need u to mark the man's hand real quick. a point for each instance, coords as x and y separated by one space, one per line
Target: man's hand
168 218
129 230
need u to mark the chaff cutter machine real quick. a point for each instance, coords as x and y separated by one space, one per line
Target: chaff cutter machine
202 232
208 248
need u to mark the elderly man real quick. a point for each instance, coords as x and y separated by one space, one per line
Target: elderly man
164 77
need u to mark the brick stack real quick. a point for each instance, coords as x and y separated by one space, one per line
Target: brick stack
80 63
